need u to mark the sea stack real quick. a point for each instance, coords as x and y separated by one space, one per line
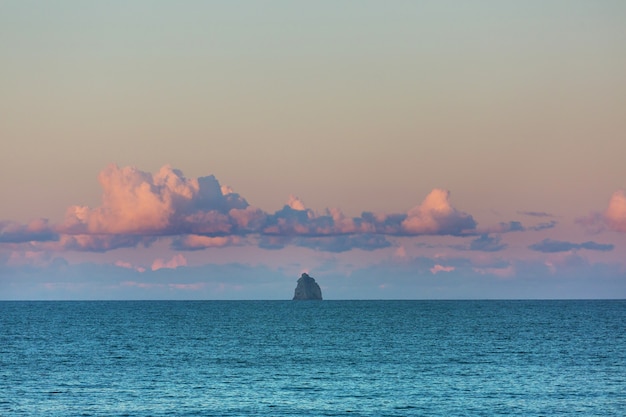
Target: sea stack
307 289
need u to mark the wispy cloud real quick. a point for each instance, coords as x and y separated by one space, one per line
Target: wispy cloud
536 213
552 246
543 225
101 243
487 243
345 243
440 268
517 226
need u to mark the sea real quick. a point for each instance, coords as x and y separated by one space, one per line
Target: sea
313 358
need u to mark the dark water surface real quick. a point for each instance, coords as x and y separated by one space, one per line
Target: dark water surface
336 358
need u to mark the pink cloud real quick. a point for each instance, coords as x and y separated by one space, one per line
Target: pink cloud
400 254
615 214
132 202
175 262
295 203
437 216
344 224
196 242
434 216
249 218
613 218
207 222
440 268
137 202
128 265
124 264
167 203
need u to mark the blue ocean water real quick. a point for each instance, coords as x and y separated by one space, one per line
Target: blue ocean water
328 358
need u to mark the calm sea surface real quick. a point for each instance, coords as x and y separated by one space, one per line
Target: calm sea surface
329 358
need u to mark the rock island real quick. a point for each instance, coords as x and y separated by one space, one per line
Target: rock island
307 289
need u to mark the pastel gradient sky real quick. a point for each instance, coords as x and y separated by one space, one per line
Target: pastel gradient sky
406 149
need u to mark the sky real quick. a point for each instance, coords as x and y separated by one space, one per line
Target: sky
392 150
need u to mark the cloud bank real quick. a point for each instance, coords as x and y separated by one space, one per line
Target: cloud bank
553 246
139 208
